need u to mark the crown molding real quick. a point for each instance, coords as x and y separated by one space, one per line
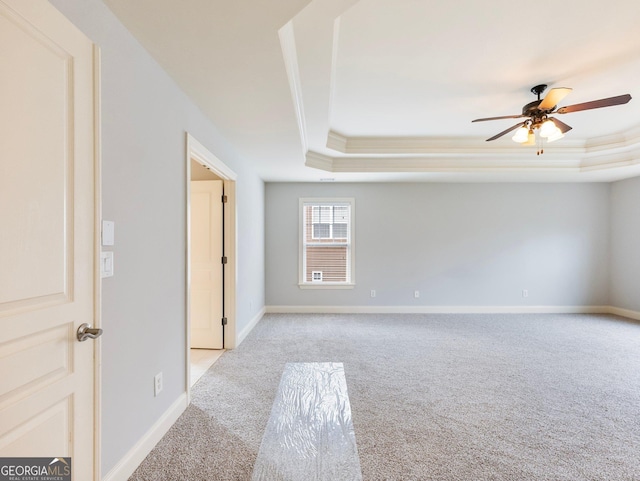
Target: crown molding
626 159
290 56
566 163
464 154
337 142
430 145
622 141
611 151
443 163
319 161
627 140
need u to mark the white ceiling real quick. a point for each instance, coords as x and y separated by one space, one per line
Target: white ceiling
373 90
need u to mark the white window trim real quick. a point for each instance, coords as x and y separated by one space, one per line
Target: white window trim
326 285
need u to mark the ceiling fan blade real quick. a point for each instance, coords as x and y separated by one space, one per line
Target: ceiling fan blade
499 118
564 128
504 132
553 97
595 104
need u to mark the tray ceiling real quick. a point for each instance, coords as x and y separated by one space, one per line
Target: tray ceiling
386 89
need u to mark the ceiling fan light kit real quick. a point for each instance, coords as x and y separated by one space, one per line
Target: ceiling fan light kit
521 135
531 138
537 114
548 128
555 136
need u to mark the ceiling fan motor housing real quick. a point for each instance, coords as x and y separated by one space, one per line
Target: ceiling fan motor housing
536 116
531 108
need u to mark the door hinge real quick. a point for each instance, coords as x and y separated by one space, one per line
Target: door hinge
224 260
224 321
224 199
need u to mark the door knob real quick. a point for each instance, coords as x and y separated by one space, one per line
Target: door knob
85 331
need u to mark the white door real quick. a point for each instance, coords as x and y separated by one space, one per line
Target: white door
46 236
206 264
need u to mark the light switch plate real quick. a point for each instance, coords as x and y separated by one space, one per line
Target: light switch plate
108 232
106 264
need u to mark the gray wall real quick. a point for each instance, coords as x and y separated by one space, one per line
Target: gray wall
144 120
625 244
458 244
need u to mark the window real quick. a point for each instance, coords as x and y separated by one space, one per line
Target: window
329 221
326 243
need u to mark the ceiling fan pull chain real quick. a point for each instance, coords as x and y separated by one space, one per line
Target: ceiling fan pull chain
540 146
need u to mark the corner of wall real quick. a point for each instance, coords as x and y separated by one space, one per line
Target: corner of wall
242 335
130 461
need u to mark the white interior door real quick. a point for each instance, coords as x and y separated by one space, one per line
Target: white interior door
206 264
47 236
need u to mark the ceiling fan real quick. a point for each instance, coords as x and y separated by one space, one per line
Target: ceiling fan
538 115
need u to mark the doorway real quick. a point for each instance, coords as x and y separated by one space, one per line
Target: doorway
211 260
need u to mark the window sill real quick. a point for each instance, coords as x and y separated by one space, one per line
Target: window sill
326 285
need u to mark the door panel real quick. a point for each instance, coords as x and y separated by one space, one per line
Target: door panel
37 219
48 431
47 243
206 265
43 358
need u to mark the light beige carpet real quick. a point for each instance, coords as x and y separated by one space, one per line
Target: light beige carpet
433 397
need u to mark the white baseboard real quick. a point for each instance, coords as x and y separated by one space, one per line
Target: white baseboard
247 329
438 309
128 464
618 311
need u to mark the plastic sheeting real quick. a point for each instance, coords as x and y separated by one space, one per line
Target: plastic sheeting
310 436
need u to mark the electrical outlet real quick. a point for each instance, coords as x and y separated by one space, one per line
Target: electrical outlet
157 384
525 293
373 293
416 294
